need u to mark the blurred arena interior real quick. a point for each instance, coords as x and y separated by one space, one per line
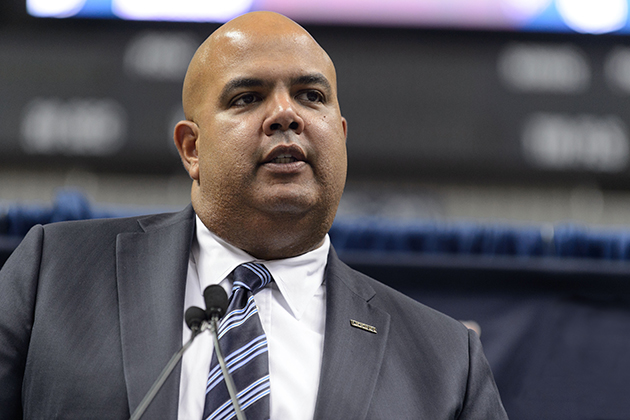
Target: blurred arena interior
473 138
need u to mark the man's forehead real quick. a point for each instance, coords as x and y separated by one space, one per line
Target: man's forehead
237 44
257 45
286 58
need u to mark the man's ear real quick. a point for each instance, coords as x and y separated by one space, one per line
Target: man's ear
186 135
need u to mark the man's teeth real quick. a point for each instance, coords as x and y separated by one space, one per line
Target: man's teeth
284 159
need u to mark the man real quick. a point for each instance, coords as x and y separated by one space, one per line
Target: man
90 312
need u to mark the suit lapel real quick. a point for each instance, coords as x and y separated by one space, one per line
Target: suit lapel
151 277
352 356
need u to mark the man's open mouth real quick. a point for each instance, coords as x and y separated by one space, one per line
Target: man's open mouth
284 159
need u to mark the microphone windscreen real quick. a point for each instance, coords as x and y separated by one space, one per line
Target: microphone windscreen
194 316
216 300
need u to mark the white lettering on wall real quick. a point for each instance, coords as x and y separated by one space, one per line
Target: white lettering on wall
77 126
161 56
584 142
617 69
543 68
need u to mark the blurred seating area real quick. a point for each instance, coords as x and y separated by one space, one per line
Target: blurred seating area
551 303
378 235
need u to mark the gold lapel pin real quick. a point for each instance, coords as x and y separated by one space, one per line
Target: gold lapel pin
363 326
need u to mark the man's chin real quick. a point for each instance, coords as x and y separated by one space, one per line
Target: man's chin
287 207
290 200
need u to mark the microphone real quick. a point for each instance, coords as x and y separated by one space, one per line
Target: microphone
195 317
216 301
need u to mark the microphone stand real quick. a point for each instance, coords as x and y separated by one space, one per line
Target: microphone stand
198 321
166 372
226 373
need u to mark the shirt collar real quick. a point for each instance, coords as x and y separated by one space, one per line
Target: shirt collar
298 278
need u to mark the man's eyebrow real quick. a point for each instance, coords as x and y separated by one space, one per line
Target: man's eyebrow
239 83
313 79
251 82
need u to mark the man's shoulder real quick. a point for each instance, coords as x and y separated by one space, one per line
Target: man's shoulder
106 226
402 308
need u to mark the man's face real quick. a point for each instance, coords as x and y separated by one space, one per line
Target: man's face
271 136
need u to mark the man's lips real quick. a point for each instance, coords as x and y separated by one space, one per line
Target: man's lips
283 155
285 160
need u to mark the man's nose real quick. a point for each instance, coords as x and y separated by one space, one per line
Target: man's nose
283 116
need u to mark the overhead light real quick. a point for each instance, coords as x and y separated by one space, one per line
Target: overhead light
54 8
593 16
181 10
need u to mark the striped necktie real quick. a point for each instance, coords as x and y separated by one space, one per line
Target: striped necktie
244 344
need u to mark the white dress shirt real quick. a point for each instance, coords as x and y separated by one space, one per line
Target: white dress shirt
292 311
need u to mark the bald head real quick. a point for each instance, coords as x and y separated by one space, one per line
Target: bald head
228 44
263 139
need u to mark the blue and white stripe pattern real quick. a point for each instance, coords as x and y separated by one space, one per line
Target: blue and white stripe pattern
244 345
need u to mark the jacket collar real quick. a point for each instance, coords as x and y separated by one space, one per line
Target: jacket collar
353 353
151 276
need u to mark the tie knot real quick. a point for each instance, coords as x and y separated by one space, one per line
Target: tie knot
251 276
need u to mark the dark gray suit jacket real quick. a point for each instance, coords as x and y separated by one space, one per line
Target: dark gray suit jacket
91 311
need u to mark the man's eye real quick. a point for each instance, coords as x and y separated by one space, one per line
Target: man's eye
246 99
311 96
